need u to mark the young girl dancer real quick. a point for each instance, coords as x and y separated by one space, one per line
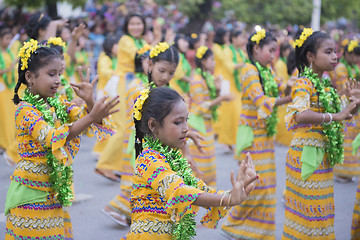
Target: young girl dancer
315 116
205 99
261 94
160 64
165 192
48 132
346 71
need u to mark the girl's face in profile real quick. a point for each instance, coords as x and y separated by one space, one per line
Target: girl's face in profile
265 54
162 72
173 129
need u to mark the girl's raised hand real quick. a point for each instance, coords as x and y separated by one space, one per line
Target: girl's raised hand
78 31
85 89
244 182
103 108
197 138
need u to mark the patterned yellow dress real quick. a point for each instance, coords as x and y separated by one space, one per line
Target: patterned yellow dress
229 112
255 217
282 134
183 69
106 69
200 106
351 166
121 202
309 204
32 209
127 48
7 107
159 197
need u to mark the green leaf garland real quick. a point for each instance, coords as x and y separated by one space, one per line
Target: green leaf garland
9 85
67 87
210 82
350 69
270 90
60 176
331 102
185 228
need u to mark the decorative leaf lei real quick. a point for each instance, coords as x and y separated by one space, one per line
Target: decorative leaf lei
270 90
209 79
350 69
185 228
330 100
61 176
12 83
68 89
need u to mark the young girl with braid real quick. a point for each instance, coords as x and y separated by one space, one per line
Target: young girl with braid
160 64
346 71
315 116
166 194
48 132
205 99
262 92
7 84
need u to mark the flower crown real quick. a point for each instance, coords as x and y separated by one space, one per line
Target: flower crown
144 94
194 35
144 49
56 41
159 48
258 36
307 32
352 45
201 51
26 51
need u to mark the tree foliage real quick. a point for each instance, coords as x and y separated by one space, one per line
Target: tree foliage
41 3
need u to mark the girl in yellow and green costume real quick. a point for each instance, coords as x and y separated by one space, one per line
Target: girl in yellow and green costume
315 116
48 132
166 194
261 94
205 99
346 71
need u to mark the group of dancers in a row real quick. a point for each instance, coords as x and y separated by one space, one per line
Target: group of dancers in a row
156 115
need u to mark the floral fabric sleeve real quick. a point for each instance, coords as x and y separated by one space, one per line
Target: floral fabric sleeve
30 120
157 174
300 96
213 214
101 131
253 90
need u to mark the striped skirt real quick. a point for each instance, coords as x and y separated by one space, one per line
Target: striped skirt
355 228
351 166
41 221
121 203
255 217
206 162
309 205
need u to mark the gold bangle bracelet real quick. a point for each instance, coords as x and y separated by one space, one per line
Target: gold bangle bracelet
222 198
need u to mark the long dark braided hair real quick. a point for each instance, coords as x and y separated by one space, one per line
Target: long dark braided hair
250 46
38 59
311 44
158 105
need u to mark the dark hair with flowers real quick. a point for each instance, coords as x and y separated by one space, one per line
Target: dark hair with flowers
171 55
352 47
264 41
38 59
207 54
158 105
311 44
36 22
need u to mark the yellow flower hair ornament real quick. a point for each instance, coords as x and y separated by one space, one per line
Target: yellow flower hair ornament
201 51
144 49
144 94
344 42
352 45
56 41
26 51
159 48
258 36
307 32
194 35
